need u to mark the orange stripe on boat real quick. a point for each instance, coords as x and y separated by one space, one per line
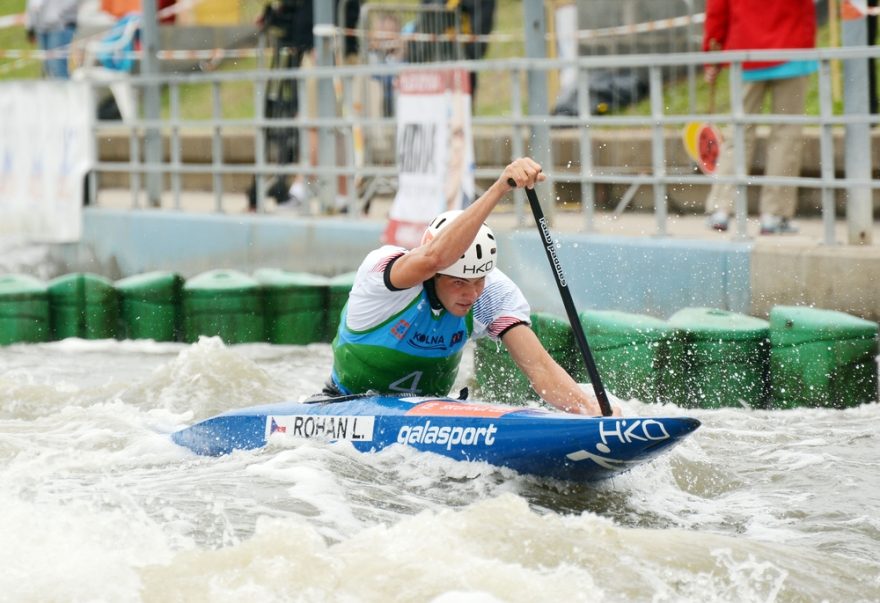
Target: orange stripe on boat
441 408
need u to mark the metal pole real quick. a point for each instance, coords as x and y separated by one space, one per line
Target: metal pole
535 24
857 146
691 69
826 152
175 145
91 176
658 148
217 147
516 113
588 189
741 169
324 31
260 139
150 67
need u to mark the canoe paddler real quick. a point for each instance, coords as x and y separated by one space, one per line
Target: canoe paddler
410 312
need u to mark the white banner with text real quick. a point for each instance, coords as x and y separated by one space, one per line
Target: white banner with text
45 154
435 152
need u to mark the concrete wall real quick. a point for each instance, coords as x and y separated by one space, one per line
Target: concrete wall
845 278
642 275
651 275
118 243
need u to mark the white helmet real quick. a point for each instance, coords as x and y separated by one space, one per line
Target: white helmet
478 260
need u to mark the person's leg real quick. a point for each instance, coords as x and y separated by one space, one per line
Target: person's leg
341 140
57 39
722 195
43 44
784 151
308 107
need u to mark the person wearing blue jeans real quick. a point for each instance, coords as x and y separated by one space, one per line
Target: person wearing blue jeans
51 25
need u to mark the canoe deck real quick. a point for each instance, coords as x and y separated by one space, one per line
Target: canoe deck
529 440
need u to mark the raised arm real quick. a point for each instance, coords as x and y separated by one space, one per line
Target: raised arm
442 251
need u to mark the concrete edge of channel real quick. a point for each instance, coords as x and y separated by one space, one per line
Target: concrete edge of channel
657 276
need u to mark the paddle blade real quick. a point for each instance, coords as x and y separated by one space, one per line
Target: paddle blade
690 136
709 148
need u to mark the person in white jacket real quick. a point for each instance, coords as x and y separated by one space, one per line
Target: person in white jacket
51 25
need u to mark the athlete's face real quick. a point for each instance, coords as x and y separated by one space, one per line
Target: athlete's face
458 294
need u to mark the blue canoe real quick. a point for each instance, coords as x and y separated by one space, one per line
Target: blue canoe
531 441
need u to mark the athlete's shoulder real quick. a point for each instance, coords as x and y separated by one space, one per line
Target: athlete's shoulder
498 283
378 259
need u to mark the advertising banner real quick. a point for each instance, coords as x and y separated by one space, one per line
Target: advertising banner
435 152
45 153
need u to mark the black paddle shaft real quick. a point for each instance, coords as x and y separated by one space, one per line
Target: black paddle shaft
573 318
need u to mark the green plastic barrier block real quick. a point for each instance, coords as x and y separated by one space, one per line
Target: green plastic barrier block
629 350
296 306
149 306
821 358
724 359
338 289
223 303
497 375
24 309
83 305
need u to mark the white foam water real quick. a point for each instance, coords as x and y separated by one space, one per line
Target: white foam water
99 504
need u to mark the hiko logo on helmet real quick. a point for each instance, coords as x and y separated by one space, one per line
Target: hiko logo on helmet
478 260
479 270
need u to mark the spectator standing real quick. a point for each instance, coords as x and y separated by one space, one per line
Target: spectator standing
51 25
385 48
294 22
477 19
763 25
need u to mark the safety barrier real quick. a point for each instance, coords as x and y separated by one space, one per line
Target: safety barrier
699 357
707 358
273 306
593 166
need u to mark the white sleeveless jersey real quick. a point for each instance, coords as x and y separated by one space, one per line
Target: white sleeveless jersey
500 306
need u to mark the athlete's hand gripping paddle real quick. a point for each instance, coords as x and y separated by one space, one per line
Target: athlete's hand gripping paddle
580 337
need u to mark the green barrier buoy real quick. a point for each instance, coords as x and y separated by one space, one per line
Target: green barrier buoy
24 309
296 306
83 305
224 303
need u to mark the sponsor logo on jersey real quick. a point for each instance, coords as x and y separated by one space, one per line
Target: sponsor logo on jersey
456 337
399 329
427 341
446 435
322 427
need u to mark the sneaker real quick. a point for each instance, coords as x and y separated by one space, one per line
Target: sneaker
719 221
341 204
771 224
297 194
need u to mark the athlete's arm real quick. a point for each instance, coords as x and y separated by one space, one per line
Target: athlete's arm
548 379
442 251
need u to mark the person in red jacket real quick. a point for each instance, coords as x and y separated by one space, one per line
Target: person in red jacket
763 25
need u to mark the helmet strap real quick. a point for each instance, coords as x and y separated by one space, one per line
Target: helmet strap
431 292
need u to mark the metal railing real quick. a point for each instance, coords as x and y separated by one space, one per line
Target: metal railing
660 169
